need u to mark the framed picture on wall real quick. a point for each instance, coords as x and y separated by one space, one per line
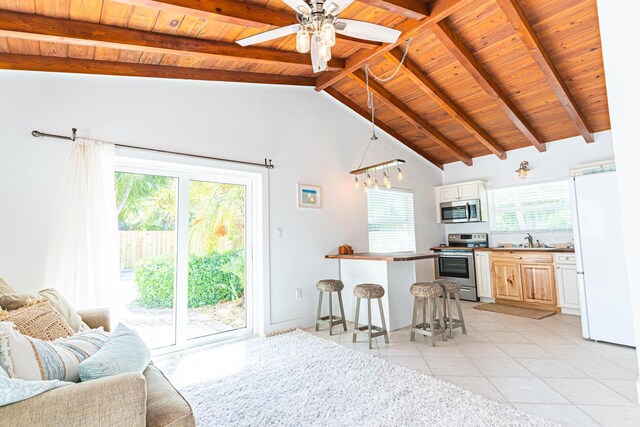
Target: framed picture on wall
309 196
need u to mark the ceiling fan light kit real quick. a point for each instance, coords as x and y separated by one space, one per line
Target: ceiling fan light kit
319 22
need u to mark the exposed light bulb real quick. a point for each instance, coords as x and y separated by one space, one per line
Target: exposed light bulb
302 41
368 179
357 183
328 34
375 185
400 176
325 52
366 188
388 183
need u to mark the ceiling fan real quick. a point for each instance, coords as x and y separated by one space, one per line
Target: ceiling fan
319 22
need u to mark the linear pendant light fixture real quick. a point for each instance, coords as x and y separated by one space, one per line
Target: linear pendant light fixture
384 167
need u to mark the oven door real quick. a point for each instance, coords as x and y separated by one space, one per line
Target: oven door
455 265
453 212
459 266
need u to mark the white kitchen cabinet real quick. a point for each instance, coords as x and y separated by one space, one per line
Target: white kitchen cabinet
463 191
449 194
469 191
483 275
567 282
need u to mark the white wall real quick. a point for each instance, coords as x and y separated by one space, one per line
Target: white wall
621 50
310 137
552 164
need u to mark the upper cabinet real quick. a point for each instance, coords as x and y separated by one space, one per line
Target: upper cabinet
449 194
463 191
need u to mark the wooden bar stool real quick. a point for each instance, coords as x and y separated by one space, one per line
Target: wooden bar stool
369 291
331 286
428 294
451 287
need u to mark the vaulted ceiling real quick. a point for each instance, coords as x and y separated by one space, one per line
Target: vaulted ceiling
481 77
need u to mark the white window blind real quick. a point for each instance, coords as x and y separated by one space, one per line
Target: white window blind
391 224
532 207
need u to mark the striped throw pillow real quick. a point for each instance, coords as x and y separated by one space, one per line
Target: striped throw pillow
32 359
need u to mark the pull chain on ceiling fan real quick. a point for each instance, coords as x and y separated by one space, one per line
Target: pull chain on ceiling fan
319 22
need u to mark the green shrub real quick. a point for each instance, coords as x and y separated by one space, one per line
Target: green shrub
213 278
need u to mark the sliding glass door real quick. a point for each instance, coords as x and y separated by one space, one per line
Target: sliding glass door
184 240
217 257
147 208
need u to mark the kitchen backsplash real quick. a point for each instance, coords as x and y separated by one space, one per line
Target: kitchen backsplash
515 238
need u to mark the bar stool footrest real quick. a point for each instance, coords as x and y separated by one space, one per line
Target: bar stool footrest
364 330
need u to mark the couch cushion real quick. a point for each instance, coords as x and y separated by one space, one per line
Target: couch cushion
6 288
123 353
165 405
38 320
32 359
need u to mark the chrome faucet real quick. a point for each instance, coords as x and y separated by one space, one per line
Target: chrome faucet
529 240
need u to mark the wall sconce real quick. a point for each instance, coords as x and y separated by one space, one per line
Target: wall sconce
523 170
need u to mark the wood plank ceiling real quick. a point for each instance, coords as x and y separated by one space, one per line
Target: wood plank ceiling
481 77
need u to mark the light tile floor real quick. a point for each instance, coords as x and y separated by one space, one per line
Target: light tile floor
544 366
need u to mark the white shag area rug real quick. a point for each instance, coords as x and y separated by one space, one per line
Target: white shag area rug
297 379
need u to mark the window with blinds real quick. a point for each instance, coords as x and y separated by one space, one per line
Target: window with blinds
532 207
391 223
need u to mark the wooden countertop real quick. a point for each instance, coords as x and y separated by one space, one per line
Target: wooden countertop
544 250
392 257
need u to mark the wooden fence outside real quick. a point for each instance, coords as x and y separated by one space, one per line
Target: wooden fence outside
137 245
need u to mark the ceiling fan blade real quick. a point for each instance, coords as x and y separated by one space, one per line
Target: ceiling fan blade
316 62
334 7
367 31
300 6
269 35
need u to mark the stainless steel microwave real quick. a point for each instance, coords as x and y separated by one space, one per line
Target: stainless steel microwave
464 211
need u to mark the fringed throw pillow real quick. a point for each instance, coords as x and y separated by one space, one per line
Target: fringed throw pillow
32 359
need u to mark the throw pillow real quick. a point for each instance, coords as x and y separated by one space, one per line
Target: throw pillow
32 359
125 352
14 390
63 307
39 320
16 301
6 288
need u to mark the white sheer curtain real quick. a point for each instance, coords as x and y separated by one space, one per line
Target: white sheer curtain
83 262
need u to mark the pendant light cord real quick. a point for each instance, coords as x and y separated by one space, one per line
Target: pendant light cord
371 102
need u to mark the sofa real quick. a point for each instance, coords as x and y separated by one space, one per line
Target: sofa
146 399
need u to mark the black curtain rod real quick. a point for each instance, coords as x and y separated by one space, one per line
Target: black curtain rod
267 162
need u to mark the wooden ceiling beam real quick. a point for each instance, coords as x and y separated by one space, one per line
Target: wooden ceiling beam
367 116
42 28
414 9
473 67
412 117
10 61
438 10
426 85
237 13
519 21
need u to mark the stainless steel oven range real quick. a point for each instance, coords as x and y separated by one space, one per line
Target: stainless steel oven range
456 261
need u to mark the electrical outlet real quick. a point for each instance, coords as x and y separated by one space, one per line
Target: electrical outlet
278 233
299 293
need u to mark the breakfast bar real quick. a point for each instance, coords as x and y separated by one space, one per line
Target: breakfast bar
395 272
